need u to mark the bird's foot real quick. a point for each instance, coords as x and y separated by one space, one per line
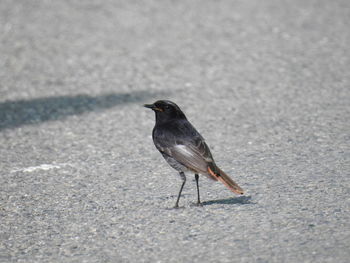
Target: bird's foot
199 204
178 207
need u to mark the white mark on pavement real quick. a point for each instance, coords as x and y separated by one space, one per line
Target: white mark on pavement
44 167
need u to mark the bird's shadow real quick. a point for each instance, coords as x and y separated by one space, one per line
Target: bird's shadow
241 200
23 112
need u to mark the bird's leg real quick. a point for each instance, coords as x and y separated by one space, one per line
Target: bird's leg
197 179
183 177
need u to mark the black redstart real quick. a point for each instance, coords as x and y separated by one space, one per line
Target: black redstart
184 148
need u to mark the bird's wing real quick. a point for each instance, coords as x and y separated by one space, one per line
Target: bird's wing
181 141
195 155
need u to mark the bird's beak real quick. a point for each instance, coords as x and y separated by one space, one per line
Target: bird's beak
153 107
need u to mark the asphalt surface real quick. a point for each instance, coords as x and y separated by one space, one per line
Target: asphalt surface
265 82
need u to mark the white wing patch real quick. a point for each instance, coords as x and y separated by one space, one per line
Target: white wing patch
189 152
183 149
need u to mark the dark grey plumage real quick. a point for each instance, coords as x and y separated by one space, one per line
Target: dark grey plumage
183 147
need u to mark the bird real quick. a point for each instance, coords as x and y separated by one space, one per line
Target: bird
184 148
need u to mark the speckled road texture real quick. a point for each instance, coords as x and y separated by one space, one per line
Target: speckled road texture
265 82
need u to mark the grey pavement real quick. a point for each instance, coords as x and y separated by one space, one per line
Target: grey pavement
267 83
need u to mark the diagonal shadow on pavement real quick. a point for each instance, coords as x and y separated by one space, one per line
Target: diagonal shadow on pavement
21 112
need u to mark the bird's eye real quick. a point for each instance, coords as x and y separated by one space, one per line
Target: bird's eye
167 107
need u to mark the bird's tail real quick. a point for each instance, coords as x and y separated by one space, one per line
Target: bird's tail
226 180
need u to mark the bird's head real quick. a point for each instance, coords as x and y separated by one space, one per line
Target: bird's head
166 110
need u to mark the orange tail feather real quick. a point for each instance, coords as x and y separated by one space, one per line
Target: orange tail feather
226 180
